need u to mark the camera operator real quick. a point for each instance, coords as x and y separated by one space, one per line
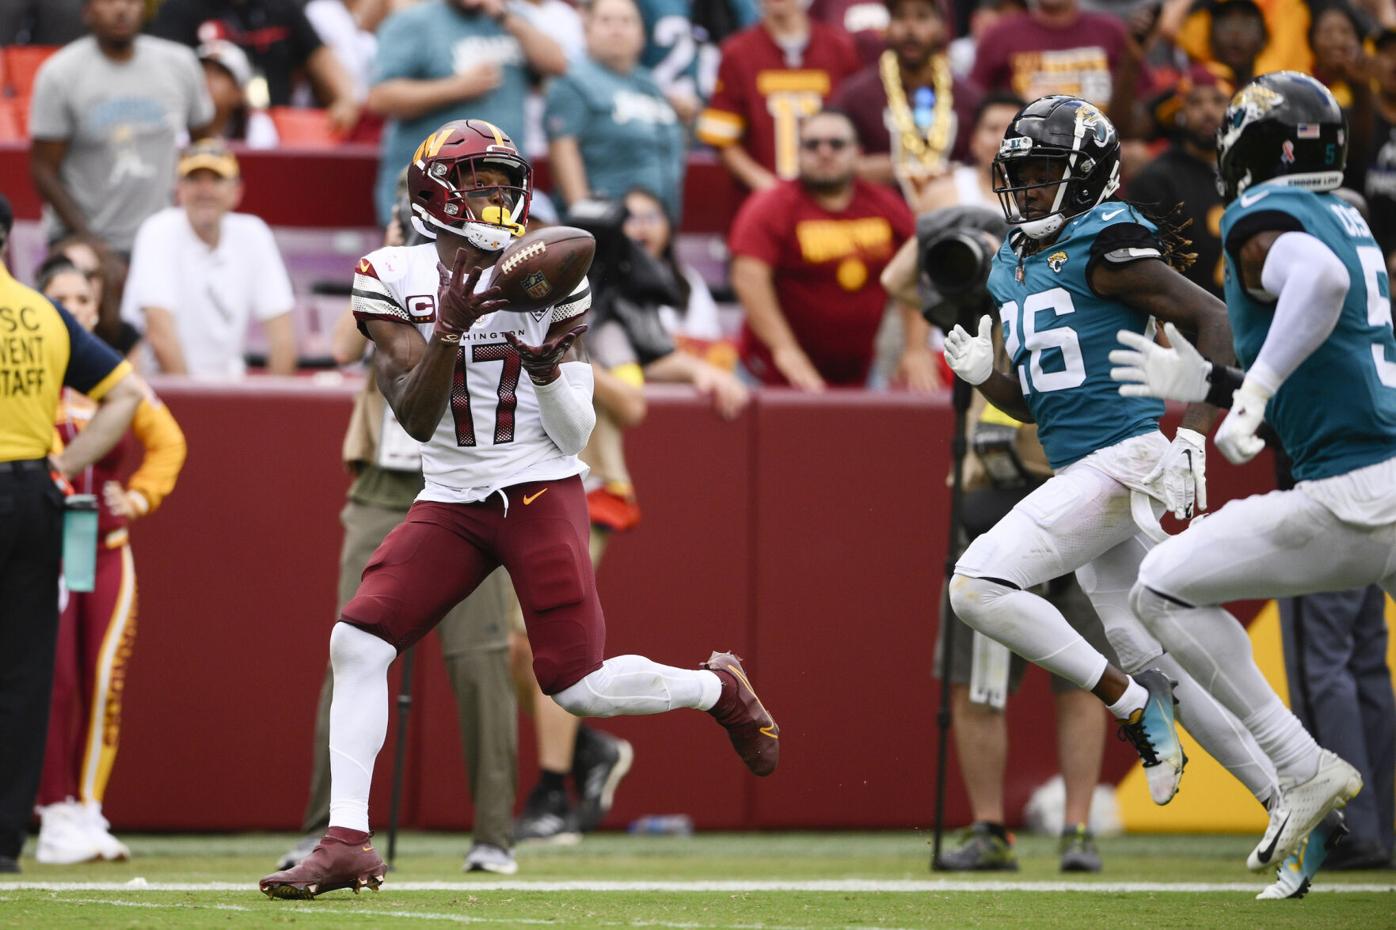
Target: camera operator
950 263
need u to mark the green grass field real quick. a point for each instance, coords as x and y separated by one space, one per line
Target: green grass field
874 881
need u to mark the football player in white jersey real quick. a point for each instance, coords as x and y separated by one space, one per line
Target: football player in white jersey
503 487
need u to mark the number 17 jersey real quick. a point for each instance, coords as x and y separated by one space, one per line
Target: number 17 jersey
1058 332
491 435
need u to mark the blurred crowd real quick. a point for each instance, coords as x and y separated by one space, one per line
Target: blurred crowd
617 96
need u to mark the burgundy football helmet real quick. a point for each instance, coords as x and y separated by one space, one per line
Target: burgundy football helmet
446 191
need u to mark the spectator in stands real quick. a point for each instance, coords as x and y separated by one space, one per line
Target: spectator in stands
806 259
911 113
682 45
1054 48
1282 43
452 59
1336 39
105 118
1184 177
97 628
986 13
229 76
201 273
40 22
609 125
279 41
1381 169
771 77
865 20
348 28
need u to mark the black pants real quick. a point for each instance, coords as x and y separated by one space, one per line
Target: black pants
31 532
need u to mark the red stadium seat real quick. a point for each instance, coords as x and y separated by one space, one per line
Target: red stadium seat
304 127
14 119
21 64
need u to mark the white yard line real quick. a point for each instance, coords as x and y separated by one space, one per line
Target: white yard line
844 886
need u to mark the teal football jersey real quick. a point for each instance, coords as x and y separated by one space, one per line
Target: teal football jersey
1059 334
1337 411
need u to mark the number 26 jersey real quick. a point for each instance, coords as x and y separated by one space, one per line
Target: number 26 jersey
1059 333
491 435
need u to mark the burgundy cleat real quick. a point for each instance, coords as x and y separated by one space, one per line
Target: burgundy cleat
750 726
343 859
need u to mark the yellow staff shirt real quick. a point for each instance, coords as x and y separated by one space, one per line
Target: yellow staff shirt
42 348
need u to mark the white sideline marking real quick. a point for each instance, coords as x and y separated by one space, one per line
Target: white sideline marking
851 885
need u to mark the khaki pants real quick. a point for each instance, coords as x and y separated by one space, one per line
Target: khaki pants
475 645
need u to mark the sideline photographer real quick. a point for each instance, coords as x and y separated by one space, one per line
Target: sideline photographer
944 270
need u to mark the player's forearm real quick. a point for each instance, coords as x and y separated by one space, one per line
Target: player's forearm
419 394
1006 394
564 406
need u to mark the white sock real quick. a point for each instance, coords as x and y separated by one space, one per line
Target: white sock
1135 697
1030 626
1219 732
635 686
358 720
1215 650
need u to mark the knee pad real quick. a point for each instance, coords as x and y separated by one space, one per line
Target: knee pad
971 598
354 650
586 698
1151 606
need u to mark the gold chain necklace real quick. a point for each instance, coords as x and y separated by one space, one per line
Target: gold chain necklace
933 149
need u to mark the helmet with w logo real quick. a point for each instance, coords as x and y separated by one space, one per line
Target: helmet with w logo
469 179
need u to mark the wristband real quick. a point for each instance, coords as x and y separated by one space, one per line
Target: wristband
1222 382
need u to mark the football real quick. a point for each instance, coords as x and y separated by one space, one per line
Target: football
544 266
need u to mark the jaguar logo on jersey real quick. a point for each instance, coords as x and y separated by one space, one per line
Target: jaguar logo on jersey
536 285
422 307
1056 260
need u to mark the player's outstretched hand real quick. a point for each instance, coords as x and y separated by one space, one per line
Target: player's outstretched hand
541 361
457 304
1147 369
971 357
1182 474
1236 437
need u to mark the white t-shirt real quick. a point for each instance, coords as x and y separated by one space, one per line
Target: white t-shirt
491 435
213 294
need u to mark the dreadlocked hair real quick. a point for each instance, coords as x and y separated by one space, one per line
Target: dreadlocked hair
1171 223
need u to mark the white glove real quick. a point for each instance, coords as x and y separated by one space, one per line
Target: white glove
1150 370
1182 474
1236 436
971 357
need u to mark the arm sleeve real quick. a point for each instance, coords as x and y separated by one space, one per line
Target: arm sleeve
565 407
1120 244
165 451
1253 224
753 231
274 295
50 117
1312 284
574 304
723 121
565 113
93 367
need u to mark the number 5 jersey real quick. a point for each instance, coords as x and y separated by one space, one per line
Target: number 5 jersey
491 435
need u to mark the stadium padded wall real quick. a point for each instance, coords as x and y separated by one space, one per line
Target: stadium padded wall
807 536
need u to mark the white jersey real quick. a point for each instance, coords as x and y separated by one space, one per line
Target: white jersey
491 435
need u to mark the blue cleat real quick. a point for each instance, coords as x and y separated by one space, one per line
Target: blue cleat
1295 874
1153 732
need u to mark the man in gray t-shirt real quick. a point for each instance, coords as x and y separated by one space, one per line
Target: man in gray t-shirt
106 118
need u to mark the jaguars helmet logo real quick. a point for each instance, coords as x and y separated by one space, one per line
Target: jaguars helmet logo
1249 104
1056 260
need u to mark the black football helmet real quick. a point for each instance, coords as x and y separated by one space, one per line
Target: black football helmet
1284 124
1067 130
